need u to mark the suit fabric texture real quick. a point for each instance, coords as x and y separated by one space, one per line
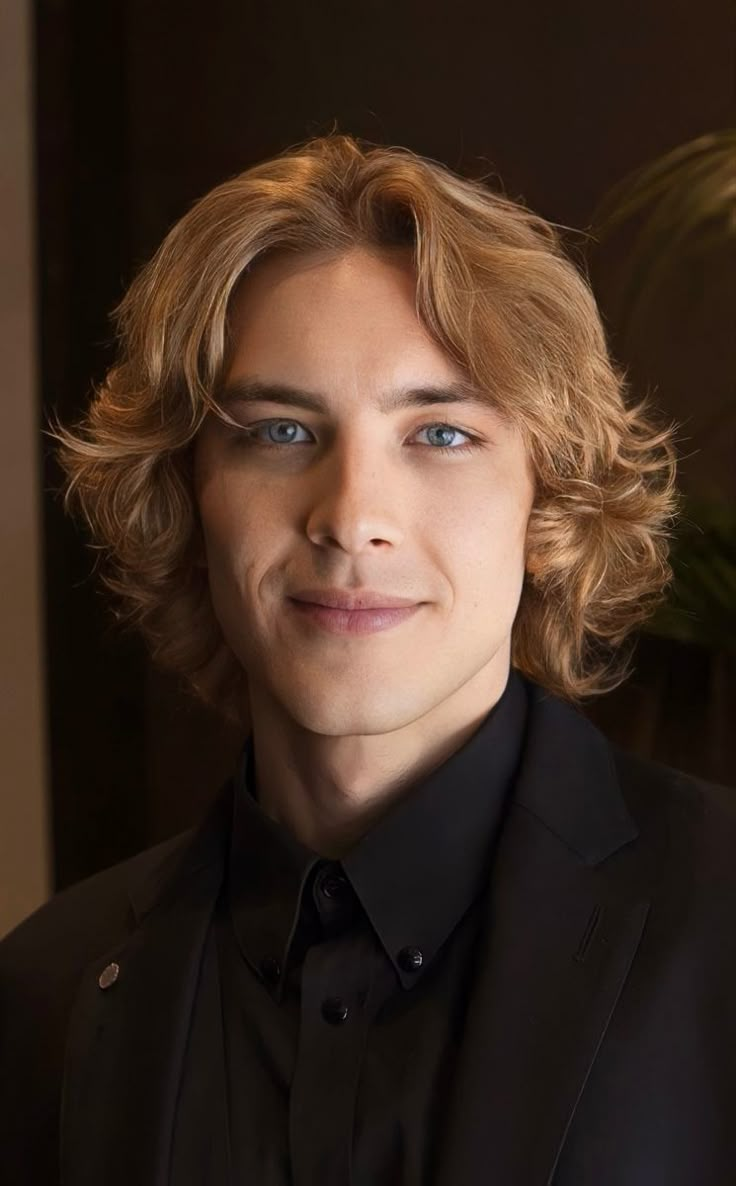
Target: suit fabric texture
601 1046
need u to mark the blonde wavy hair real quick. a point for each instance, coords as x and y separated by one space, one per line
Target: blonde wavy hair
495 289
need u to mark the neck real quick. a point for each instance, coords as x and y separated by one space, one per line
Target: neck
328 791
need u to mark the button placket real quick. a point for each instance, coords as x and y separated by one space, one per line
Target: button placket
331 1041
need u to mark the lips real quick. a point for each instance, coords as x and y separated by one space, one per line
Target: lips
353 599
352 622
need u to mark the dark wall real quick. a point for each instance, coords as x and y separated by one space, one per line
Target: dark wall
142 107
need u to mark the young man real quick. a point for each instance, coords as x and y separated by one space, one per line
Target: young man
366 476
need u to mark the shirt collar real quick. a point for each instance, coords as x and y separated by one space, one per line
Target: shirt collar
415 872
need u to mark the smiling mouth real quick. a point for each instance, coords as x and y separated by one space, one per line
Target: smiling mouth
353 621
353 599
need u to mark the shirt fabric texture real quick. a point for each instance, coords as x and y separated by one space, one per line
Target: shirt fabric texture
343 984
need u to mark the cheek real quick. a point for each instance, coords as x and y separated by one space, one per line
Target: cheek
227 514
484 547
244 543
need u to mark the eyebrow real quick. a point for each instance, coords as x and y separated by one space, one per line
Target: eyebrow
257 391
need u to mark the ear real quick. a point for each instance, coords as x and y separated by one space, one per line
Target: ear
532 564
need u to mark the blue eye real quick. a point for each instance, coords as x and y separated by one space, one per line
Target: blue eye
250 438
279 423
445 428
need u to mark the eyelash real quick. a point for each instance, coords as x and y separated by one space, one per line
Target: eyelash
247 436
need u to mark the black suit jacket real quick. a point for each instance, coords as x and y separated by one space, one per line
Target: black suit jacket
601 1039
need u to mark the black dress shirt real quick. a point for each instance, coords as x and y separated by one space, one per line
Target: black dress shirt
344 983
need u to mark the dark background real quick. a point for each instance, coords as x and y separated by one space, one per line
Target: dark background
142 107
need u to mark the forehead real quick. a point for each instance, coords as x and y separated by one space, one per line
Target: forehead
328 269
355 289
354 313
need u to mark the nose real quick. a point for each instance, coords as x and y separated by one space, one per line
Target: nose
356 502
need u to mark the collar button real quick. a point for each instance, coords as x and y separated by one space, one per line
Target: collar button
410 959
333 885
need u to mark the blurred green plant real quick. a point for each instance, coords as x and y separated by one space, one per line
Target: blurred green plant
683 205
701 607
685 202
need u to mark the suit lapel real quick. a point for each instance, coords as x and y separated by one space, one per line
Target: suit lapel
566 907
127 1042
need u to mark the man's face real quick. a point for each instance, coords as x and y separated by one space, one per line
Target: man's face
354 496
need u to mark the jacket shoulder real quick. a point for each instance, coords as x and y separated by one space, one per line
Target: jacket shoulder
675 788
42 961
692 819
82 921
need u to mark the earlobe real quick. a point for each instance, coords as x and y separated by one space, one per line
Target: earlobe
532 565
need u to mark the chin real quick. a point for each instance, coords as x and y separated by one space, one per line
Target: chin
336 718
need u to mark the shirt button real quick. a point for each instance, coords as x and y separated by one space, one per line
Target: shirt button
334 1010
270 969
410 959
333 885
